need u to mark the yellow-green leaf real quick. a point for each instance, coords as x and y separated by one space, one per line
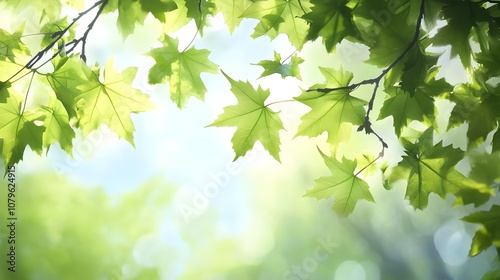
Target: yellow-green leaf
254 120
343 185
111 102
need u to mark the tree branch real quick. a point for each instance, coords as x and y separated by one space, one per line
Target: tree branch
366 126
57 36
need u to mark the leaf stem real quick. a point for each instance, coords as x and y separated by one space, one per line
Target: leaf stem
58 35
192 41
366 126
27 94
288 57
370 163
280 101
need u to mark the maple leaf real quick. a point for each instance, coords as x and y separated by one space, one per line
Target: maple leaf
158 7
334 112
344 185
130 13
17 128
232 11
176 19
476 107
489 233
332 20
430 168
254 120
280 16
110 102
44 8
405 108
57 128
485 167
68 74
181 69
461 17
277 67
11 44
386 33
52 27
199 10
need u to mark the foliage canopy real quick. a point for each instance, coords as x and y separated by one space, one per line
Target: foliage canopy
401 38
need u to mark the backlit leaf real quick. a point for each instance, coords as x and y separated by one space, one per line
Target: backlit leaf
334 112
343 185
429 168
181 69
111 102
253 119
284 69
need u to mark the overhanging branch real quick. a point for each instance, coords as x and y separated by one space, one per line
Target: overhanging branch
366 126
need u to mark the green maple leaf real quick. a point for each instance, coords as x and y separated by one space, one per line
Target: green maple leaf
57 128
130 13
280 16
52 27
44 8
344 185
485 167
387 34
158 7
68 74
111 102
461 17
11 44
181 69
489 233
332 20
430 169
199 10
232 11
18 129
277 67
254 120
405 108
334 112
476 107
177 18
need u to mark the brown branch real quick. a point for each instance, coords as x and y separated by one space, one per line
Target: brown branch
366 126
57 36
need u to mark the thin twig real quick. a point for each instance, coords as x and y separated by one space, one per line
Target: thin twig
366 126
288 57
57 36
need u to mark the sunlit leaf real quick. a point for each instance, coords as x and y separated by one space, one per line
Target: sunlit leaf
57 128
253 119
11 44
232 11
429 168
280 16
489 233
277 66
332 20
111 102
343 185
405 108
158 7
334 112
182 69
18 129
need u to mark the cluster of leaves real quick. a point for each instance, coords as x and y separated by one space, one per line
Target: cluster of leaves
398 34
